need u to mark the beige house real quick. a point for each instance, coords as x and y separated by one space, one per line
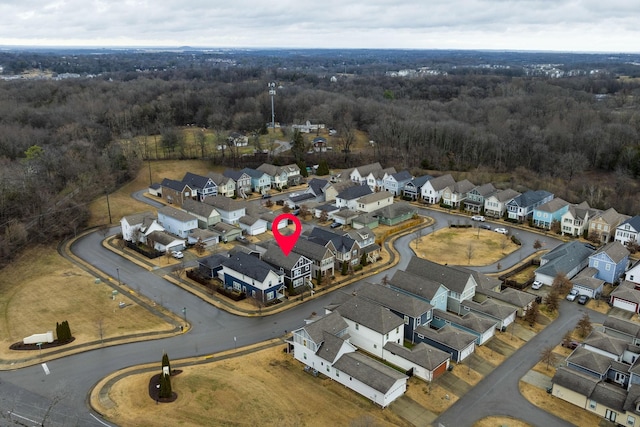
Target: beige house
604 224
372 202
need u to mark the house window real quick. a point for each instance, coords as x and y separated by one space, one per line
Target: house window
337 373
406 319
595 263
375 346
631 421
592 404
387 336
270 296
328 368
418 321
304 355
357 327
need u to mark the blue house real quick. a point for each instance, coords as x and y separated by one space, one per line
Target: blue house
260 181
257 279
550 212
413 310
458 343
521 208
413 189
611 261
427 290
202 185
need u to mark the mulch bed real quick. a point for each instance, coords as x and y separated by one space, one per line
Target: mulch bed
154 388
22 346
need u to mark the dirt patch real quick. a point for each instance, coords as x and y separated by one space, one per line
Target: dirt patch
43 346
501 421
557 406
251 390
432 396
463 246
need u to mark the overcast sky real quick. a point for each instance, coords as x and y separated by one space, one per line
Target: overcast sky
560 25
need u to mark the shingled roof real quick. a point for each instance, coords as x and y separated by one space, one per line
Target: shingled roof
415 284
332 323
422 354
394 300
376 375
370 314
250 266
453 278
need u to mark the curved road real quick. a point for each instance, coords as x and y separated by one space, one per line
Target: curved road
60 397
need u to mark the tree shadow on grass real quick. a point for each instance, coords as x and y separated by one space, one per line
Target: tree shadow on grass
154 388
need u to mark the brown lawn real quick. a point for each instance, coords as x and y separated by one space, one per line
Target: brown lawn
431 396
501 421
265 388
463 246
42 288
558 407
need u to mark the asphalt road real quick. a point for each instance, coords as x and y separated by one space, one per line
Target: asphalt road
60 397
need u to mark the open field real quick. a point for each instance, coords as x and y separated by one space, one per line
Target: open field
42 288
250 390
463 246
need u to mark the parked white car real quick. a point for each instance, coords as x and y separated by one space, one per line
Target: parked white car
502 231
477 218
177 254
573 294
536 285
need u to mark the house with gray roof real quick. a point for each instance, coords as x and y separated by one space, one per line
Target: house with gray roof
348 198
242 181
495 205
474 202
587 284
629 231
162 241
521 207
395 214
203 185
603 225
316 187
344 248
626 296
432 292
590 363
225 186
295 267
458 343
413 310
368 220
260 181
413 189
433 188
230 210
322 259
519 300
614 348
374 201
177 221
460 282
545 215
568 259
610 261
133 226
360 173
176 192
371 325
482 327
228 232
573 386
425 361
252 225
576 219
494 310
394 183
455 195
252 276
206 214
623 329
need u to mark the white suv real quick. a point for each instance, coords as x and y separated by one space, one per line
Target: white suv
477 218
572 295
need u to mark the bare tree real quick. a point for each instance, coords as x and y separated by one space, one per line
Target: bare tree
531 315
199 246
548 356
537 244
469 252
584 325
562 283
552 300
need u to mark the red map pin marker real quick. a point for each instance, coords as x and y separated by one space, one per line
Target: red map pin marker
286 242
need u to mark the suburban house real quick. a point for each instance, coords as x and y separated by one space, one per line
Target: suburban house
374 201
226 186
496 204
474 202
237 139
568 259
230 210
316 188
242 180
575 220
413 189
371 325
344 248
368 220
155 189
260 181
460 283
279 176
176 191
176 221
604 224
521 301
257 279
629 231
375 179
413 310
252 225
327 209
344 216
502 314
207 237
433 188
520 208
295 267
332 190
206 214
621 328
429 291
394 183
633 274
455 195
322 259
458 343
549 213
611 261
227 232
211 265
366 240
359 174
585 283
348 198
134 226
202 185
482 327
626 296
424 361
395 213
162 241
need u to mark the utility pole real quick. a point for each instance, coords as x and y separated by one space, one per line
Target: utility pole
272 93
108 206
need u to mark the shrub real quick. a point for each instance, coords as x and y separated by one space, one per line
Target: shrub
515 240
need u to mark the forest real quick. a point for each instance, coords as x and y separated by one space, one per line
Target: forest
64 142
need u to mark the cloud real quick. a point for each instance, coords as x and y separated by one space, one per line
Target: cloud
575 25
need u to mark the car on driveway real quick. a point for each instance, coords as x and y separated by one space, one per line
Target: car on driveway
477 218
501 230
536 285
583 299
335 225
241 239
570 344
177 254
573 294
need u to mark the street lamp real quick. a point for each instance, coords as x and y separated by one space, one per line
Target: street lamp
118 273
272 93
184 313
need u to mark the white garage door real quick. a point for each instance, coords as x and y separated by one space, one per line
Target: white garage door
258 230
625 305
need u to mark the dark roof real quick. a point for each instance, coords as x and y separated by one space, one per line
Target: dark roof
196 181
311 250
176 214
422 354
226 204
354 192
606 343
233 174
442 182
173 184
472 321
634 222
510 296
394 300
330 347
213 261
611 396
448 335
505 195
139 218
198 208
484 281
576 381
370 314
317 185
155 186
250 266
395 210
623 326
614 250
302 197
453 278
633 398
531 197
491 308
332 323
402 176
218 178
414 284
163 237
485 190
565 258
376 375
594 362
420 181
277 258
323 236
254 173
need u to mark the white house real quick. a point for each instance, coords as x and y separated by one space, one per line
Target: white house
374 201
348 198
629 231
252 225
496 204
433 188
132 225
176 221
230 210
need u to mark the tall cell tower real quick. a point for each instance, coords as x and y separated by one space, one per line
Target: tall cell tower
272 93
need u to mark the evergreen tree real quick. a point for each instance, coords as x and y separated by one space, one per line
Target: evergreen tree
165 386
303 168
323 168
345 268
363 260
165 362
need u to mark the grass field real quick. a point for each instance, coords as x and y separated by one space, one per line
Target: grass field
253 390
463 246
45 288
